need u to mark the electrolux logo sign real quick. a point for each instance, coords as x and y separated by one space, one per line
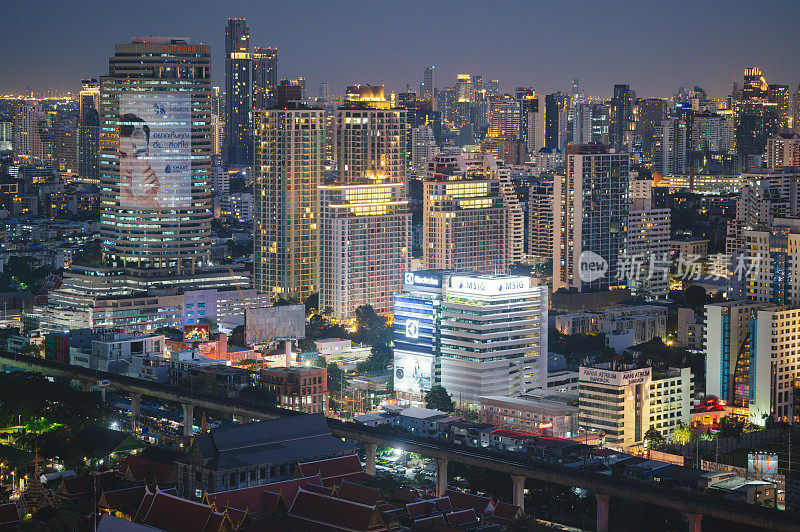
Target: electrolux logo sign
489 286
415 279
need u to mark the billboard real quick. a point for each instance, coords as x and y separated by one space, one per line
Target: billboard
612 377
195 333
762 465
488 286
155 147
413 372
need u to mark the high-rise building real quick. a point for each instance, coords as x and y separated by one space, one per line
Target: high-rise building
428 83
89 132
710 132
624 401
621 119
796 115
155 155
265 76
648 243
493 335
555 120
780 96
590 218
365 245
370 137
540 221
751 360
325 92
288 167
464 215
771 255
28 148
783 150
423 147
6 136
652 111
238 100
669 149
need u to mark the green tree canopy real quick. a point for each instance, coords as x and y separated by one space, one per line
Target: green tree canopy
438 398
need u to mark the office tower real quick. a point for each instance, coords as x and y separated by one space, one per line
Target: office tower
710 132
621 119
492 89
764 196
220 180
669 149
493 334
370 138
465 88
579 123
796 115
423 147
89 132
324 92
217 135
365 245
464 215
289 90
652 111
756 118
156 201
28 148
428 83
6 136
89 97
648 243
555 123
288 166
416 352
601 123
590 218
540 221
780 96
265 76
783 150
504 117
65 151
238 100
641 398
771 255
217 104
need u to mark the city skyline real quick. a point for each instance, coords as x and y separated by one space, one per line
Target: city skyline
370 43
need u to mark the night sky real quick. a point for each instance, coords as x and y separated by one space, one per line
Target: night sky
654 46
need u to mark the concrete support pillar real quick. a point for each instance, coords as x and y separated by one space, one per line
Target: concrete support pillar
695 522
136 403
103 393
441 476
518 490
188 419
370 452
602 511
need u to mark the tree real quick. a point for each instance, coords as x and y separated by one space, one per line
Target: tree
237 337
695 296
257 394
731 426
336 379
654 437
438 398
681 434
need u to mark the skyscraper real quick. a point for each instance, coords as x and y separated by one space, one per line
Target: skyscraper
370 137
621 116
465 217
365 245
365 222
238 102
669 149
590 218
89 132
651 112
288 167
428 83
265 76
28 147
155 147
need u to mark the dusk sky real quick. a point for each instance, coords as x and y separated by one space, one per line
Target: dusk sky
653 46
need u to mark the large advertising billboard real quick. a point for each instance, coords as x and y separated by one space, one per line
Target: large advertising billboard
413 372
155 147
488 286
195 333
